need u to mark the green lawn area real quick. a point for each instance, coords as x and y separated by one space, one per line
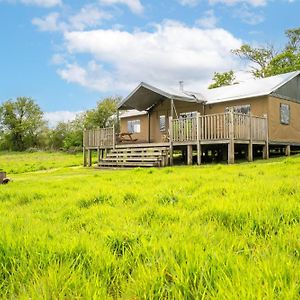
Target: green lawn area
209 232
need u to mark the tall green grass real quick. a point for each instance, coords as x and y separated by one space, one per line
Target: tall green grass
225 232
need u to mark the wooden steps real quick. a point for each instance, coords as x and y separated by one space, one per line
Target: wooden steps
136 157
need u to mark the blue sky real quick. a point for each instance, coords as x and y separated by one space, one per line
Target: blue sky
67 55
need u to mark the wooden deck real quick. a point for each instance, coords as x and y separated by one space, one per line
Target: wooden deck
216 129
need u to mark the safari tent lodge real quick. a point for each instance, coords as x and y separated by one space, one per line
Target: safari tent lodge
157 127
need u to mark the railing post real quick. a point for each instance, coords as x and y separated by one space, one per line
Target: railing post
250 146
231 139
83 148
198 139
114 136
266 146
171 139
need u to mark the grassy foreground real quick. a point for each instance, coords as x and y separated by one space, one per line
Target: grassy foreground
226 232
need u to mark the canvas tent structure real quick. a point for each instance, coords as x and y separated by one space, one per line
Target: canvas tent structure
257 114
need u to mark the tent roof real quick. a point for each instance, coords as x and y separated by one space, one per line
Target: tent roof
146 96
248 89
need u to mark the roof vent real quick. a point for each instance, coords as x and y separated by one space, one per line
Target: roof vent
181 84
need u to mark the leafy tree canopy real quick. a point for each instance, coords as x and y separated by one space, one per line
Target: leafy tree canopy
21 121
222 79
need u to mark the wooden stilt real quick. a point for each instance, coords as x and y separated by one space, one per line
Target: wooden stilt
199 153
250 151
288 150
189 154
266 151
89 157
98 155
84 157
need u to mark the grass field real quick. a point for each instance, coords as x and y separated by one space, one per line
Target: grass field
226 232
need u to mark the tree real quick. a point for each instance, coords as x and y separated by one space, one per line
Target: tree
222 79
103 115
20 123
267 62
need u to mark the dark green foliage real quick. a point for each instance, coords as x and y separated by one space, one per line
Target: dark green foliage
222 79
21 122
266 61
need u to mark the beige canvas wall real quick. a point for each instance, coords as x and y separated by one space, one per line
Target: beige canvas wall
164 108
280 132
259 106
141 137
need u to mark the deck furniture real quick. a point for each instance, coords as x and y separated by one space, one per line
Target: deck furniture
126 137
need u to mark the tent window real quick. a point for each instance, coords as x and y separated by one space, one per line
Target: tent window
240 109
134 126
162 123
284 114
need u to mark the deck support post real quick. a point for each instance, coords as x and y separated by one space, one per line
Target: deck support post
266 146
266 151
171 139
231 139
250 146
89 157
250 151
84 157
288 150
198 140
99 154
189 154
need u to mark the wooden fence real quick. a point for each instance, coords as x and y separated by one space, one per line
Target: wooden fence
221 126
99 138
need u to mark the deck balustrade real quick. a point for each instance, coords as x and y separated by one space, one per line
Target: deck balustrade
214 127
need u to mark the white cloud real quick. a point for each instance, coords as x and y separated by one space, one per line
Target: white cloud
134 5
254 3
43 3
248 16
48 23
88 17
189 2
55 117
172 52
93 76
209 20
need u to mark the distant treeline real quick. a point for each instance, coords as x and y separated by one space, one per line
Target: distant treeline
22 125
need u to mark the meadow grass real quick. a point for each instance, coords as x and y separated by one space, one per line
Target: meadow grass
18 162
210 232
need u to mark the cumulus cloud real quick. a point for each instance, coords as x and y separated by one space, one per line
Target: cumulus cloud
209 20
89 16
189 2
248 16
169 53
42 3
134 5
233 2
53 118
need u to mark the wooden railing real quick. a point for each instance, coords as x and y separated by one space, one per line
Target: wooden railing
223 126
185 130
99 138
214 127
